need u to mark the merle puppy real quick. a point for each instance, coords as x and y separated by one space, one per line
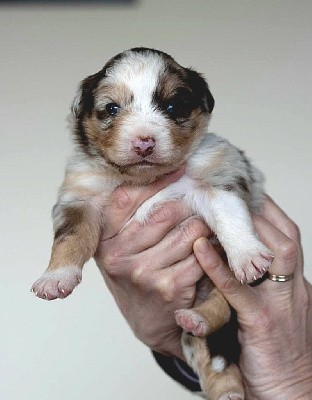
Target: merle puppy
140 117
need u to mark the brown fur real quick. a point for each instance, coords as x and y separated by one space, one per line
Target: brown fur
119 94
215 310
77 247
214 384
73 217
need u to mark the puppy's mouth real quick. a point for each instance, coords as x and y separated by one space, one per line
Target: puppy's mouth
144 164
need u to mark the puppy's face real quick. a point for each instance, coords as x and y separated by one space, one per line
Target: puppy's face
143 114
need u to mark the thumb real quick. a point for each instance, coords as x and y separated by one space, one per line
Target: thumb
239 296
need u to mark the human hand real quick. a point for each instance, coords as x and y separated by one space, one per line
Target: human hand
275 318
149 280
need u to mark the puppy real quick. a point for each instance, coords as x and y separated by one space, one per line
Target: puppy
140 117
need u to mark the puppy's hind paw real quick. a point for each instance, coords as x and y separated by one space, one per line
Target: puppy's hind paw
57 284
192 322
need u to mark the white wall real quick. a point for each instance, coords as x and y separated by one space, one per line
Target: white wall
257 57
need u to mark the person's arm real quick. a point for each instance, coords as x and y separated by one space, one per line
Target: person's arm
148 279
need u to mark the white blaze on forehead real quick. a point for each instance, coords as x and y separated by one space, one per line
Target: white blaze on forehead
140 73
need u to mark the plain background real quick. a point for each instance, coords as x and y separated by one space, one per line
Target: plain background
257 58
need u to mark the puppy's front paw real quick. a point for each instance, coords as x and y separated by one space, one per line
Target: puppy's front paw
192 322
57 284
251 263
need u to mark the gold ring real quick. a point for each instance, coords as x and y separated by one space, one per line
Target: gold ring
280 278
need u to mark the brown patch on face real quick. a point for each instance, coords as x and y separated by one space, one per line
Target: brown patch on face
99 136
118 93
100 127
184 134
184 104
168 84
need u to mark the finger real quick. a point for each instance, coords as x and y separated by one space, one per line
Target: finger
150 246
178 243
175 281
187 272
239 296
284 249
277 217
125 200
136 237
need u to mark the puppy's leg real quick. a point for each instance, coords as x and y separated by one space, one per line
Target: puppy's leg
228 216
218 380
207 317
75 241
77 218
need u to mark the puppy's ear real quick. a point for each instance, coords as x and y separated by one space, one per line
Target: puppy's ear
209 100
201 90
83 102
76 104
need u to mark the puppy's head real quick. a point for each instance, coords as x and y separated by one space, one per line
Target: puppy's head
142 114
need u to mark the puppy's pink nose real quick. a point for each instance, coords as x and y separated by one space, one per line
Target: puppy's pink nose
143 146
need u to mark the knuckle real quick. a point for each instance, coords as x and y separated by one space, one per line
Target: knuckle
288 250
293 232
121 199
139 275
163 212
165 287
191 229
113 263
198 228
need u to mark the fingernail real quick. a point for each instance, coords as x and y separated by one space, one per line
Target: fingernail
201 245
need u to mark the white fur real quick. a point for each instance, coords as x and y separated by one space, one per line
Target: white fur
218 364
225 213
188 350
139 74
57 283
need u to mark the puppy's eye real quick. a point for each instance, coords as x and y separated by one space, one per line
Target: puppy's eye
179 108
170 108
112 108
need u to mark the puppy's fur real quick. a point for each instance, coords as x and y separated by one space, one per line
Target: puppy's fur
140 117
